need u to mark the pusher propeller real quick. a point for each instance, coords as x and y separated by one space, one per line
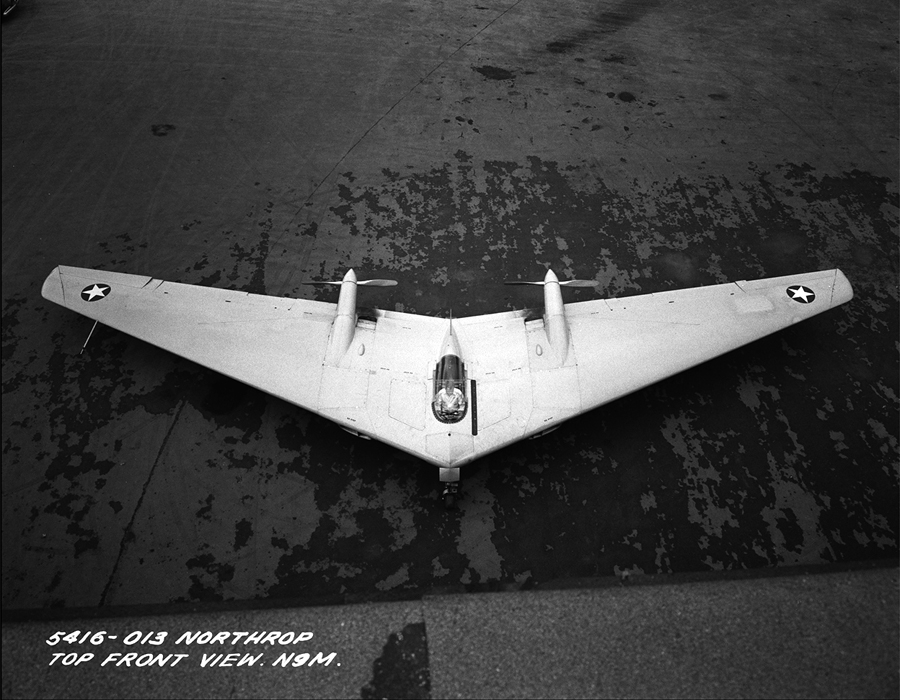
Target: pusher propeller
351 277
369 283
550 277
566 283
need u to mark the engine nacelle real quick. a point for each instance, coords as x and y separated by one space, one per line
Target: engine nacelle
555 324
344 326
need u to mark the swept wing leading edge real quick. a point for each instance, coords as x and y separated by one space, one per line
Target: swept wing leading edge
657 335
273 344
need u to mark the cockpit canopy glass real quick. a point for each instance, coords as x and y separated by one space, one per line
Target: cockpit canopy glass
449 404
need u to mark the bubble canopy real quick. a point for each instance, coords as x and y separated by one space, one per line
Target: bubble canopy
450 402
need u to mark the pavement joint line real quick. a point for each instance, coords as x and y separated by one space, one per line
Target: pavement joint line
127 532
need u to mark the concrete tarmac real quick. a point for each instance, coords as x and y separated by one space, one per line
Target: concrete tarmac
804 635
647 145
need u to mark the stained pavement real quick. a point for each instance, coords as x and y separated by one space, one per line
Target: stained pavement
826 634
647 145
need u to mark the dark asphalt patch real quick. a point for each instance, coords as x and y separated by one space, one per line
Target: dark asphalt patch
602 25
494 73
224 395
162 129
402 669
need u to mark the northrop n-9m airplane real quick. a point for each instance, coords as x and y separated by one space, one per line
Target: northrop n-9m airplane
446 390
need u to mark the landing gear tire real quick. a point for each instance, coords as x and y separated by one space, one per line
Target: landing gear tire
451 491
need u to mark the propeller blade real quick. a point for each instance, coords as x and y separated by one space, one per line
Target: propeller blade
379 283
579 283
567 283
370 283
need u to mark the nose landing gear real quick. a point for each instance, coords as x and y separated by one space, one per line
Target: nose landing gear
451 492
450 480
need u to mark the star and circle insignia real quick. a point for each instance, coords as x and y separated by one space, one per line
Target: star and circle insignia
801 294
95 292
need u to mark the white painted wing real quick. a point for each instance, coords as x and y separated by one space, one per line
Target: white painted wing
622 345
382 387
274 344
619 346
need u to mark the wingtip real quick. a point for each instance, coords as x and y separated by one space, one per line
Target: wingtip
842 290
52 289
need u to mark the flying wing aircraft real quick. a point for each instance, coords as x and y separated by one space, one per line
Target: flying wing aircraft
447 391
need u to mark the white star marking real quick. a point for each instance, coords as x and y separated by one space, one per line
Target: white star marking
95 292
801 294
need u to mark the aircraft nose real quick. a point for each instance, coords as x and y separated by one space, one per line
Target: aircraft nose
449 447
350 276
550 277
